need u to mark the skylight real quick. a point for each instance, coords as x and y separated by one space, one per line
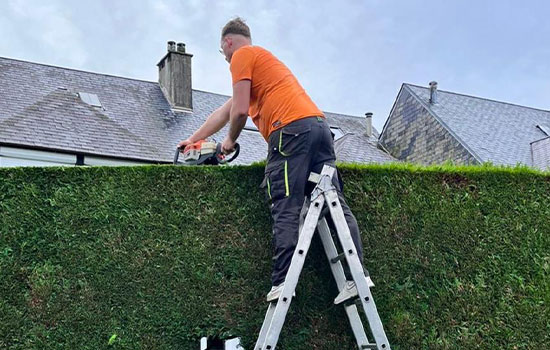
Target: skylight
545 129
90 99
338 133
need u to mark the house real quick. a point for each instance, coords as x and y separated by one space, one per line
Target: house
430 126
58 116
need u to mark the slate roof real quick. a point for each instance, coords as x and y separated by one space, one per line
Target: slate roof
541 153
492 131
40 108
351 146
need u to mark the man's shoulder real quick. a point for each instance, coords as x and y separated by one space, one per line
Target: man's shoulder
250 54
251 49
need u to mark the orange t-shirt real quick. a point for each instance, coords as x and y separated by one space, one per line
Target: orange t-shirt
276 96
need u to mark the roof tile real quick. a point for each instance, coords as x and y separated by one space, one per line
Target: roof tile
496 132
41 108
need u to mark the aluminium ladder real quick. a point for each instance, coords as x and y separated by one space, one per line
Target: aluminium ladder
323 192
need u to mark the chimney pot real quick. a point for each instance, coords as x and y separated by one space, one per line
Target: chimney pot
433 92
368 116
181 47
171 46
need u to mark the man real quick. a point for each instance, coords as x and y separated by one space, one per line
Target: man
298 136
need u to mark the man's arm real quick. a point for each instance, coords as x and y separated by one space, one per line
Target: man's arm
212 125
238 114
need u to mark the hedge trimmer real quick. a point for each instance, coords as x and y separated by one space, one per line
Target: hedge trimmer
204 152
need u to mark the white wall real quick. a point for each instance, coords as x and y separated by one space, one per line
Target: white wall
95 161
12 157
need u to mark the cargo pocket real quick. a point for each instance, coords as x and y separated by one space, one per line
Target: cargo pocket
275 182
294 139
266 186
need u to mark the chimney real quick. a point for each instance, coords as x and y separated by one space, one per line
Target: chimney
433 92
175 76
368 133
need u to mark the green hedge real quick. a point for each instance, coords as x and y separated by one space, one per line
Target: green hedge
158 257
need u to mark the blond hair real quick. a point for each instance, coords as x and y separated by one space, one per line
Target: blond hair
236 26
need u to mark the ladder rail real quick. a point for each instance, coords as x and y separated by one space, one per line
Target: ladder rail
356 269
265 326
293 274
340 279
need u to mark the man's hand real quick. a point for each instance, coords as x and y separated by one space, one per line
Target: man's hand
228 146
184 144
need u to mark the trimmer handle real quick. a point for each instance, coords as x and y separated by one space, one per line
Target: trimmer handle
221 156
177 155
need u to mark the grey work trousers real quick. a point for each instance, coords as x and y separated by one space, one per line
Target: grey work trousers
295 151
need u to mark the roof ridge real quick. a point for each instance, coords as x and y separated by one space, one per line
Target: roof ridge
344 115
77 70
141 80
480 98
103 74
544 138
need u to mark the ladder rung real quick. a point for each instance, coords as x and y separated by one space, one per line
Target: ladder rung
314 177
340 257
369 346
354 300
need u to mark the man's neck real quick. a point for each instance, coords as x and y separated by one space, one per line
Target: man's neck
240 41
241 45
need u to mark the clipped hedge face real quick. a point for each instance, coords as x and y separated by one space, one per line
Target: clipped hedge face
158 257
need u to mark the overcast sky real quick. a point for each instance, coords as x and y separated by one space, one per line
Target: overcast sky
351 56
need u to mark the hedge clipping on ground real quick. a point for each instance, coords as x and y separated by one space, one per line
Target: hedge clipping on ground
158 257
